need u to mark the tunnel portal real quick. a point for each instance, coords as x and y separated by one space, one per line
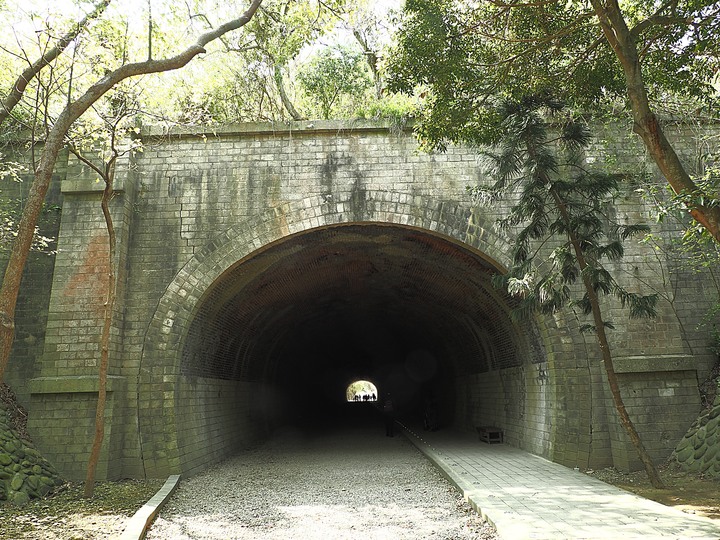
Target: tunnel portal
297 321
262 268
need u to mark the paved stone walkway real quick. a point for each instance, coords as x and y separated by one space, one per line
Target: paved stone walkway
526 496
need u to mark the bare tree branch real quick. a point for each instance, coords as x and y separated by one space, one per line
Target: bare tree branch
16 92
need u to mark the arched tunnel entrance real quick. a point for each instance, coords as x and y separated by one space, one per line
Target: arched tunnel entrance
280 335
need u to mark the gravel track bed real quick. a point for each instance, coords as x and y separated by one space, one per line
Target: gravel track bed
341 484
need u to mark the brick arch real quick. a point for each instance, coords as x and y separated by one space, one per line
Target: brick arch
160 363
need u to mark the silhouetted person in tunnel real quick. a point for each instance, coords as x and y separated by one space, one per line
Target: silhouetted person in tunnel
389 414
430 413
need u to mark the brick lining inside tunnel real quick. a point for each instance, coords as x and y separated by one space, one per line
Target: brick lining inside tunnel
351 284
281 333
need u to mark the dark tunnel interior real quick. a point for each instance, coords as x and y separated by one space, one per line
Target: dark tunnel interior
408 310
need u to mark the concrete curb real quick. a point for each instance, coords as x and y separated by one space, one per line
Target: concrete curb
139 523
450 475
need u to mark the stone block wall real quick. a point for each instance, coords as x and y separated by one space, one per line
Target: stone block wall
686 296
64 389
193 205
661 397
63 423
34 298
220 417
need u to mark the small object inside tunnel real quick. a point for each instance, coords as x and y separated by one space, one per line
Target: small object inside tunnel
490 434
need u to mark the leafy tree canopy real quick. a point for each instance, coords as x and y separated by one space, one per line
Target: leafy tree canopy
332 74
461 54
233 81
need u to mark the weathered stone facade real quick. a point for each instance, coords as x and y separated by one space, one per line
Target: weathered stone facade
262 267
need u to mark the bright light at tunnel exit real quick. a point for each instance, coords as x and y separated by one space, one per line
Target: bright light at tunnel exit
361 391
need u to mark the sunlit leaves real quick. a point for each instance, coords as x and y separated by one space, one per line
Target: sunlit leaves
10 209
462 55
332 75
8 232
283 28
695 250
10 170
233 81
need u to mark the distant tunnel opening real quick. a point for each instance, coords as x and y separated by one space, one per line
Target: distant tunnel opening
280 336
361 391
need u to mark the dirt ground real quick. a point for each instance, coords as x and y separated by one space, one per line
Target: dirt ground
688 492
66 515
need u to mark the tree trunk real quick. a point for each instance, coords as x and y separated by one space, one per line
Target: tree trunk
372 60
54 142
104 340
625 421
612 379
646 124
286 101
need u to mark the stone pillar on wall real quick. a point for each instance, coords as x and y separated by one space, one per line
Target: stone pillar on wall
63 395
34 294
661 397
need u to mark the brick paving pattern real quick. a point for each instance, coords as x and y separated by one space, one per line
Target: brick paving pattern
526 496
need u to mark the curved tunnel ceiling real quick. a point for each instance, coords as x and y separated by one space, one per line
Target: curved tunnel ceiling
354 301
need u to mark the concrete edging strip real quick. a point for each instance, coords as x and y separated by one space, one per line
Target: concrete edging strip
432 454
141 520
